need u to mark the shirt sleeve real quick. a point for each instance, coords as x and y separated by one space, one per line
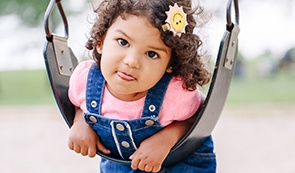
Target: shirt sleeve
77 84
179 104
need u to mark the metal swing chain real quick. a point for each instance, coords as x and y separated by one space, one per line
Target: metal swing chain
63 17
228 12
234 30
62 52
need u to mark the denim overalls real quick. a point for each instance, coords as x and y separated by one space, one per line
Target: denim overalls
122 137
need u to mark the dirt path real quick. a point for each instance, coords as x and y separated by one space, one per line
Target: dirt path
248 139
256 139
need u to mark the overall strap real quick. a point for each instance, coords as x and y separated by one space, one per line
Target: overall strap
155 97
94 89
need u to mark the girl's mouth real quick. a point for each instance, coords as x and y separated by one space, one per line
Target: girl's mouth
125 76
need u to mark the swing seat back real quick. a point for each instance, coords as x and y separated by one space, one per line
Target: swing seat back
60 63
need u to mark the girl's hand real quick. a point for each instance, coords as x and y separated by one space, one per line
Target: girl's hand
152 151
150 154
83 139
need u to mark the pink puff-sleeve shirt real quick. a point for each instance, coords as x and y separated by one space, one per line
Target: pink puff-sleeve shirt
178 105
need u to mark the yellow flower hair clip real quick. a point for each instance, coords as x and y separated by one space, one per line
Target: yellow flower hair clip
176 20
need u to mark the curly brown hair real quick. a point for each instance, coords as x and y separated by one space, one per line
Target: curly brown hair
185 60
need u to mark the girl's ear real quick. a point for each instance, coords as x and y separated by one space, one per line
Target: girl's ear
99 49
169 69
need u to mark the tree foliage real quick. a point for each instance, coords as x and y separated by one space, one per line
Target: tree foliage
29 11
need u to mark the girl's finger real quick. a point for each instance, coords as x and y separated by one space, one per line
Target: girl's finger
91 152
102 148
71 145
141 165
156 168
134 164
148 168
84 151
77 148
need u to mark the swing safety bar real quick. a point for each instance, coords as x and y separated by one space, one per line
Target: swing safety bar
60 63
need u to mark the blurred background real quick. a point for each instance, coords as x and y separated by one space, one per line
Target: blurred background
255 133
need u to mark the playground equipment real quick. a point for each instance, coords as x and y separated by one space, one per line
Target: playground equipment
60 63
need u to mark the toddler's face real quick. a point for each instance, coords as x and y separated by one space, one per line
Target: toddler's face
134 57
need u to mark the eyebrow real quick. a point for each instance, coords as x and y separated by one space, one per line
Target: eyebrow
122 32
152 47
159 49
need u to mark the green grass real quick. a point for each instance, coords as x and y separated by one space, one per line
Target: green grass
276 88
25 87
32 87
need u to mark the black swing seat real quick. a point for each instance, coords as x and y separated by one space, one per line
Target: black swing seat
60 63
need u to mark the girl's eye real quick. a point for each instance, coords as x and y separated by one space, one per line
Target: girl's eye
152 54
123 42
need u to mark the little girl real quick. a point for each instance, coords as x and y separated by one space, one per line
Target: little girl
137 98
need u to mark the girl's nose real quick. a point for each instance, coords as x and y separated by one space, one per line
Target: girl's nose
132 60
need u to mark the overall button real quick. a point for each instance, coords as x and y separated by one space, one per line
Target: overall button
149 122
93 119
125 144
93 103
120 127
152 108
